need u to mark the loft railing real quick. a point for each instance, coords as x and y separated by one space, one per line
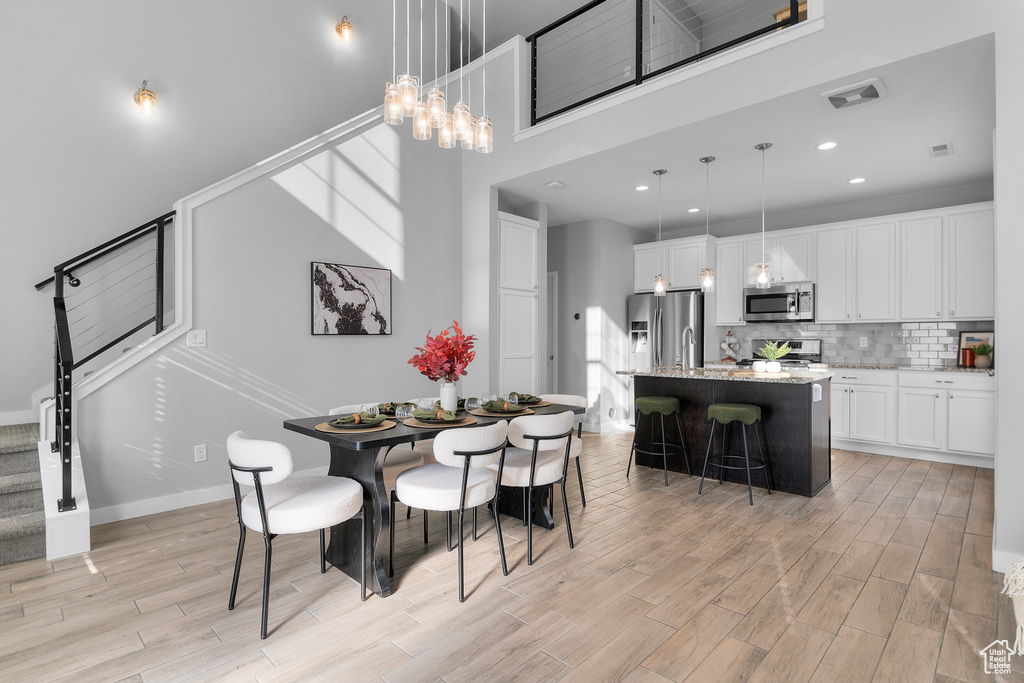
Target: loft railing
117 290
608 45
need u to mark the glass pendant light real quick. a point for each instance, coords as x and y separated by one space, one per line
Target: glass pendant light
392 100
435 98
421 129
446 133
659 279
707 275
461 110
483 131
408 85
763 269
469 142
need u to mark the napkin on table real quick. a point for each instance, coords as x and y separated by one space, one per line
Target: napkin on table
526 398
500 406
363 419
446 415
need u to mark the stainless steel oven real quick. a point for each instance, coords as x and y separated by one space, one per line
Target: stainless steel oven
782 303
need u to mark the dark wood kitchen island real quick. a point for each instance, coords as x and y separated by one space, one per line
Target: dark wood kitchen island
794 413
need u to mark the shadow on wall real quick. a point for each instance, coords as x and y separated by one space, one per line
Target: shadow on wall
605 346
367 211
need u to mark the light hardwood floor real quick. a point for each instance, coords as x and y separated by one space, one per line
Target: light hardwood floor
886 574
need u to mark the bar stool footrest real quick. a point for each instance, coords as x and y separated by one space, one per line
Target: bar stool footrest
670 449
754 464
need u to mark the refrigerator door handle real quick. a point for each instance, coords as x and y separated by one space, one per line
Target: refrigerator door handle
657 337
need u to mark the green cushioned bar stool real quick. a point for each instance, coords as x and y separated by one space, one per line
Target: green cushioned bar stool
748 415
649 406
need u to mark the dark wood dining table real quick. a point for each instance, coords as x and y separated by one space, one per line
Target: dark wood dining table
361 456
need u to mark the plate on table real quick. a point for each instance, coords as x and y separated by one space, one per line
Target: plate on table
328 428
504 413
464 421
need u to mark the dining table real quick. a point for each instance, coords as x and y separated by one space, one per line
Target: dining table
360 455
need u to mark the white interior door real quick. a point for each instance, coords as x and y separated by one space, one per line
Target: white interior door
519 364
552 318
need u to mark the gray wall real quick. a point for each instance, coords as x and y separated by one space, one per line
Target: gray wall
253 246
593 282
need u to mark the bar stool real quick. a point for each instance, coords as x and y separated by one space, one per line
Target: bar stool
724 414
663 405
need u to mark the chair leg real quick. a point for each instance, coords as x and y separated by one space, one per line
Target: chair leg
529 526
462 592
746 462
362 552
266 589
448 530
682 440
565 508
764 458
408 512
323 553
579 474
501 542
725 445
707 456
424 527
632 449
474 524
664 449
238 565
391 553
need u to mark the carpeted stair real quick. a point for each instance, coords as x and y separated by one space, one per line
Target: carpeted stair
22 521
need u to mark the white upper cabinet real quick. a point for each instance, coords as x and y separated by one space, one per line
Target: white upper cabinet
519 253
970 249
875 275
921 269
835 276
729 280
795 257
684 264
648 263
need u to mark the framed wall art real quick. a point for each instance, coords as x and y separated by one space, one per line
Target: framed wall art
350 299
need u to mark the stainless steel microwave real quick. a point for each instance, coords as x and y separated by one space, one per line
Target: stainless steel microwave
783 303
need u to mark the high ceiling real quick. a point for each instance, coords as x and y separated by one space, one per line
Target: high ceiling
947 96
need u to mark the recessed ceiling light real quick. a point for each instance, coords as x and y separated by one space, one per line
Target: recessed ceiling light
640 188
826 145
855 181
556 184
693 210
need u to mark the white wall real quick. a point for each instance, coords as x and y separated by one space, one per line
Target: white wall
382 200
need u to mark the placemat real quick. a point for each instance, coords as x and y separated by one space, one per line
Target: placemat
539 404
327 428
413 422
483 413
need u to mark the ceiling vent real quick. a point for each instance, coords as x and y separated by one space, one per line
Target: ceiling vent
943 150
854 95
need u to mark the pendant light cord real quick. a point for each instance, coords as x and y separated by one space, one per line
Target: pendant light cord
461 48
447 49
762 204
394 41
469 56
421 42
707 198
435 44
483 78
408 43
659 207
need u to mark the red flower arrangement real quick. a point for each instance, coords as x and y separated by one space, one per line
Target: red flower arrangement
445 356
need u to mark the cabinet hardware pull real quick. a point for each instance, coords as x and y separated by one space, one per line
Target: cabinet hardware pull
847 315
952 312
858 315
938 314
936 395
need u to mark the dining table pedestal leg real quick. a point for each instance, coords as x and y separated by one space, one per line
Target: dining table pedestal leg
344 549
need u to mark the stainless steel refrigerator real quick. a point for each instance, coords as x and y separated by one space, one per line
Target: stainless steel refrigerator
665 330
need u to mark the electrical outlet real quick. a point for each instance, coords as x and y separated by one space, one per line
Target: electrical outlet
196 339
200 452
863 342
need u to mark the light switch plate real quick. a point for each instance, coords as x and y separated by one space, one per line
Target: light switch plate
863 342
196 339
200 452
816 393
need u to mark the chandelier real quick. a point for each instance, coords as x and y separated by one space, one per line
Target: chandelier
402 96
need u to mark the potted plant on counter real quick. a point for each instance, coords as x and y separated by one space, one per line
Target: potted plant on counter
983 356
772 352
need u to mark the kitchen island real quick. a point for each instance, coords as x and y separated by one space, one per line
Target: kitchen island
794 413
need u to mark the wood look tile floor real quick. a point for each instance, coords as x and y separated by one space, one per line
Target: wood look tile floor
885 575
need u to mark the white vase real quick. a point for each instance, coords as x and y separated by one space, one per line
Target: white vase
759 366
449 395
773 366
983 362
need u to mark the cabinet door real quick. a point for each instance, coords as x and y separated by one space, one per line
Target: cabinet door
875 274
795 255
921 413
519 250
972 421
684 264
755 255
971 266
729 285
921 265
648 263
834 265
871 413
519 321
839 410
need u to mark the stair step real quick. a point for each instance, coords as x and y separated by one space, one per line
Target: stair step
21 503
13 528
16 438
18 463
22 548
23 481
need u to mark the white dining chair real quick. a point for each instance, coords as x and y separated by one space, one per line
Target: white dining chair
280 504
460 479
573 400
538 455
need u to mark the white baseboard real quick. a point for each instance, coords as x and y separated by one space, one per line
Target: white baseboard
17 417
175 501
1002 559
984 461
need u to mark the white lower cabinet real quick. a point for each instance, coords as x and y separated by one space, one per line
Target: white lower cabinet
840 411
972 422
863 405
947 412
921 412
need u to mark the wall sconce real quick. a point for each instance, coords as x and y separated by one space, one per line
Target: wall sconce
145 98
344 29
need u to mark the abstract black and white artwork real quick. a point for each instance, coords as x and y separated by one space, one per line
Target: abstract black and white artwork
351 299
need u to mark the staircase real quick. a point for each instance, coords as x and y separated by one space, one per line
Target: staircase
22 520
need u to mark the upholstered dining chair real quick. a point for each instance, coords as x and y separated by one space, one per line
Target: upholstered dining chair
280 504
460 479
580 401
538 455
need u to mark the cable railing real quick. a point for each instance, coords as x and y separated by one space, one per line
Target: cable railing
608 45
102 297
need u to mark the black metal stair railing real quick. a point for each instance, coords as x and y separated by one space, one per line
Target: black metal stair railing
118 290
608 45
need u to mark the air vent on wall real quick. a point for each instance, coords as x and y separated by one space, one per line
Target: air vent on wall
943 150
855 94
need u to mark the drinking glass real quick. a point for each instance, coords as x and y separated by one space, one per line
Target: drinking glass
371 409
472 404
426 403
403 411
512 398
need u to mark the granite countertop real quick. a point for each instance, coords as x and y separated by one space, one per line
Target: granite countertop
674 371
861 366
